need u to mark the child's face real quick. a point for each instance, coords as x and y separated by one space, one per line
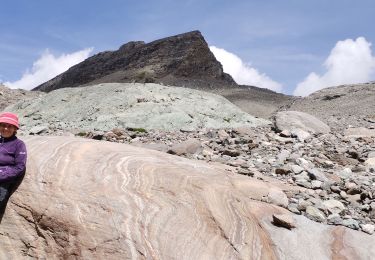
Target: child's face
7 130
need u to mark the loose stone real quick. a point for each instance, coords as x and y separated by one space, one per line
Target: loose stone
284 220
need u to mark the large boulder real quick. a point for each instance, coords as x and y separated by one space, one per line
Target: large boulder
86 199
293 120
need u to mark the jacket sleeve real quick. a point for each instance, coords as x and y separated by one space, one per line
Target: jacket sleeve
10 172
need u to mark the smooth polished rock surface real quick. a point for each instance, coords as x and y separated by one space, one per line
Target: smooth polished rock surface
87 199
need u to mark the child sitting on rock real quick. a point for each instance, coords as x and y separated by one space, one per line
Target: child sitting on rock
12 158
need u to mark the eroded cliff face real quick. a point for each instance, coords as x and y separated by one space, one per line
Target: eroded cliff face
85 199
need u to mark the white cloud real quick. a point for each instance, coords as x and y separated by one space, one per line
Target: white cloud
47 67
242 72
349 62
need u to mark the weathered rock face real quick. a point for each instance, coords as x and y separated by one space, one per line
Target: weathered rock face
85 199
148 106
181 60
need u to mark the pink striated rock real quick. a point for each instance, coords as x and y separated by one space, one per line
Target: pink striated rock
87 199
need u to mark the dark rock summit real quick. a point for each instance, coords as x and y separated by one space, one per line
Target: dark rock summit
181 60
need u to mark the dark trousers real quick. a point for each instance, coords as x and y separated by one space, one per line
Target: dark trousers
6 190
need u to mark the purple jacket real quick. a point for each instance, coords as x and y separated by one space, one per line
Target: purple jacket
13 157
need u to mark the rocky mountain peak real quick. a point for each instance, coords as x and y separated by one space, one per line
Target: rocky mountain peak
180 60
127 47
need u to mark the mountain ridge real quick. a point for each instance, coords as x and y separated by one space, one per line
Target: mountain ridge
181 60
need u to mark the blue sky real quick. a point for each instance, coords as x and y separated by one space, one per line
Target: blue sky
290 43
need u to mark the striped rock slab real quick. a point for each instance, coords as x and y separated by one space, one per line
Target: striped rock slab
87 199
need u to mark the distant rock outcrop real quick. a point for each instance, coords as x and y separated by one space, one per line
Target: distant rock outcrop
10 96
181 60
342 106
84 199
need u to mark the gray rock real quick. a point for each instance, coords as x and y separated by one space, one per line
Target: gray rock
343 194
335 188
334 219
245 172
370 165
283 155
277 197
316 174
301 135
327 185
190 146
315 184
303 163
38 129
293 207
371 155
315 214
368 228
207 152
285 133
351 223
334 206
354 199
350 185
303 183
345 173
290 120
223 135
303 204
296 169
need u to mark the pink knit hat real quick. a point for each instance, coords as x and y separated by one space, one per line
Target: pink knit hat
9 118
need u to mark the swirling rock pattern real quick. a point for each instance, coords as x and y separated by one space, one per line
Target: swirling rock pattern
86 199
